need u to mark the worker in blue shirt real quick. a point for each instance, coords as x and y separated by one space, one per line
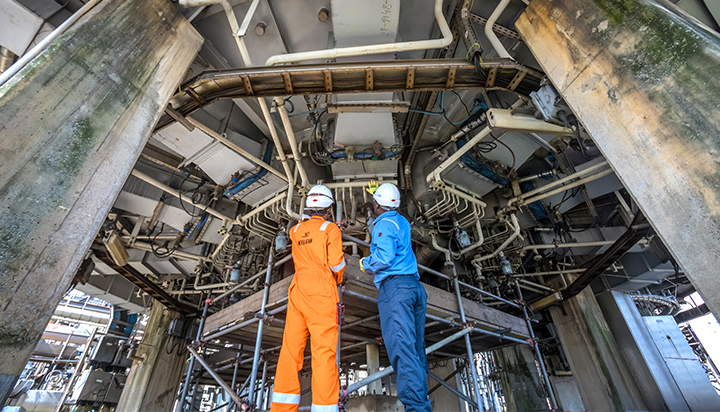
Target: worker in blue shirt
402 299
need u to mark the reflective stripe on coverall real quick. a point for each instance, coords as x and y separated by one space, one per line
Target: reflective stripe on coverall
312 310
402 302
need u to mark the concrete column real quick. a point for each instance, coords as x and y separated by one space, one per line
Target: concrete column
72 124
522 386
667 381
153 382
372 352
442 399
643 77
602 377
306 383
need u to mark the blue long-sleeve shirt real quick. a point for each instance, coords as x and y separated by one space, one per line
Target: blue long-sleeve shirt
390 251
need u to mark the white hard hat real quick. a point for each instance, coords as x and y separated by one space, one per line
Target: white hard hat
387 195
319 197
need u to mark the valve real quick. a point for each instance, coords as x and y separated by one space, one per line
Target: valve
281 241
505 266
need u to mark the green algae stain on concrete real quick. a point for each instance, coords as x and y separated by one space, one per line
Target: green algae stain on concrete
665 43
37 190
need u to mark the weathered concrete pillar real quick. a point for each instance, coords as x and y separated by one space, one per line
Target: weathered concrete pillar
522 386
72 124
153 382
372 352
667 382
602 377
443 399
644 79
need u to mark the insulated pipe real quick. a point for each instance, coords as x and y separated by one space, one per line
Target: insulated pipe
539 358
215 376
288 202
372 49
280 105
387 371
569 186
499 48
568 245
210 132
237 34
258 339
435 174
40 47
337 185
264 206
557 182
162 186
481 238
186 384
349 52
502 247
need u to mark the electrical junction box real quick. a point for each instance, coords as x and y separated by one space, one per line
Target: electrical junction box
176 327
104 351
99 386
192 332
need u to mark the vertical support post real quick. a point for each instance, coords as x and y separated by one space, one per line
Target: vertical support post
238 359
261 392
468 345
261 324
372 352
186 385
540 361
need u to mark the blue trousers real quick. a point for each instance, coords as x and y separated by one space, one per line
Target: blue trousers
402 302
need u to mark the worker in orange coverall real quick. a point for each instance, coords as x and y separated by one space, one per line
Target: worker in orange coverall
312 308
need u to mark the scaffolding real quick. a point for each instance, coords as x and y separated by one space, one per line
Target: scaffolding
454 330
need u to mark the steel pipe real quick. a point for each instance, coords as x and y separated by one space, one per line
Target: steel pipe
515 234
232 146
435 174
215 376
258 339
497 45
551 185
43 45
251 279
387 371
568 186
375 48
175 192
468 345
457 393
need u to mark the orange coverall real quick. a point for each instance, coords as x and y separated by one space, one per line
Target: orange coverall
312 309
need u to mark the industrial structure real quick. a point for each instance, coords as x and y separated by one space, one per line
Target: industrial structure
557 161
